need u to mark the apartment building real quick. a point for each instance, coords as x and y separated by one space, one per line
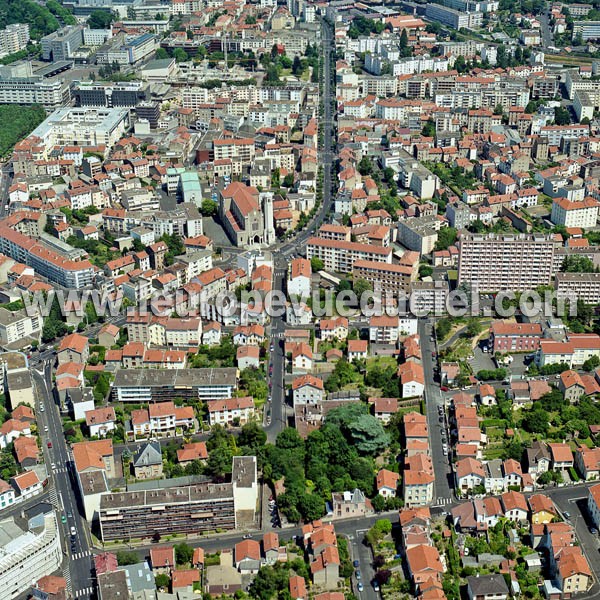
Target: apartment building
17 329
13 38
584 286
340 256
81 126
384 276
229 411
577 348
505 262
419 234
32 547
35 90
178 509
454 18
589 30
508 337
156 385
172 507
46 261
569 213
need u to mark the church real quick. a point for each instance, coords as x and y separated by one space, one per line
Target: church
247 215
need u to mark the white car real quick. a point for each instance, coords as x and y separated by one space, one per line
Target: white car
46 429
53 466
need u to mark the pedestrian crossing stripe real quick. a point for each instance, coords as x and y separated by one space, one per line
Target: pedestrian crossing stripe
84 593
80 555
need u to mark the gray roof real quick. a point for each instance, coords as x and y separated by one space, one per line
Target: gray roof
182 378
147 455
487 584
139 577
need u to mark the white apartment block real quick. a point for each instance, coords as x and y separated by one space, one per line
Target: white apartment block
585 286
18 326
505 262
569 213
13 38
83 127
340 256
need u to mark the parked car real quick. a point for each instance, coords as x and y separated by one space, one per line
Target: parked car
360 587
358 575
375 585
356 564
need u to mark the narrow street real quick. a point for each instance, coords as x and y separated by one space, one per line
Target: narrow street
63 492
433 398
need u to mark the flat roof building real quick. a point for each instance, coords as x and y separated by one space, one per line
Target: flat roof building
157 385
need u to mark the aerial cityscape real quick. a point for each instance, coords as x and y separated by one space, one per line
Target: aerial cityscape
299 300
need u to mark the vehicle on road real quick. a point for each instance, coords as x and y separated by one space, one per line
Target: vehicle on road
360 587
444 388
53 466
593 530
375 585
567 515
73 531
49 444
358 575
247 536
63 519
356 564
46 429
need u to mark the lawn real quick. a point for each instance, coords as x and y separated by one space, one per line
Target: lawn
381 362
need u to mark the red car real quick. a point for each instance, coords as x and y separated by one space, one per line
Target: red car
444 388
49 444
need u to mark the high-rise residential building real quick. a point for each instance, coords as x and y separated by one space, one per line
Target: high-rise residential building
505 262
13 38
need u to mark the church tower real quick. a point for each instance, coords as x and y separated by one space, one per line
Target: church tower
267 209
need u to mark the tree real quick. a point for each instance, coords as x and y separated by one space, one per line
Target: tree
473 328
311 507
54 326
365 166
252 436
383 576
126 557
183 553
561 116
161 53
208 208
429 128
591 363
368 434
578 264
403 39
361 286
381 528
180 55
100 19
316 264
288 180
162 580
297 66
378 503
446 238
499 109
536 420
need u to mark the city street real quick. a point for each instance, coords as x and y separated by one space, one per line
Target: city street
77 569
433 398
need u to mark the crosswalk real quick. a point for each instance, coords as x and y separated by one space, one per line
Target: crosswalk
440 501
80 555
59 470
67 575
53 496
84 593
